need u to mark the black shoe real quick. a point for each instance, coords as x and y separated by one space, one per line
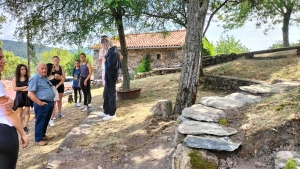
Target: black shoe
26 130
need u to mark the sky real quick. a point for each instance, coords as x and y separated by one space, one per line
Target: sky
249 36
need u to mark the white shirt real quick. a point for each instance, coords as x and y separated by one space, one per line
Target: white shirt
100 57
3 119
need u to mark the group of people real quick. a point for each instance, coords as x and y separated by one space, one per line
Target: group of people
44 90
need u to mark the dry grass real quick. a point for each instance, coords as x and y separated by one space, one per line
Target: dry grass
277 109
134 115
273 112
266 70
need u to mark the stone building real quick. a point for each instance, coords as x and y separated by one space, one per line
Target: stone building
165 49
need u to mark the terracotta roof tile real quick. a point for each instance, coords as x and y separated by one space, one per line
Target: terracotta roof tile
151 40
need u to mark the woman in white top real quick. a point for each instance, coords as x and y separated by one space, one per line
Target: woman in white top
9 125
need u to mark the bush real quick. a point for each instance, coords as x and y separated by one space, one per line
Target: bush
145 65
279 44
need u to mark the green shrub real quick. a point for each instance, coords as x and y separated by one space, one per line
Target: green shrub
145 65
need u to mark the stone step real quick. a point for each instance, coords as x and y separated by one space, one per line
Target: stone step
203 113
270 88
234 100
210 143
197 128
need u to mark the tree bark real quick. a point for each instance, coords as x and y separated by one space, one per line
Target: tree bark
285 28
189 79
124 51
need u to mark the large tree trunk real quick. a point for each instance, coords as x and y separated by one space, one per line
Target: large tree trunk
124 52
187 90
285 28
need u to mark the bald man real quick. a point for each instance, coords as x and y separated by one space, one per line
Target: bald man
40 91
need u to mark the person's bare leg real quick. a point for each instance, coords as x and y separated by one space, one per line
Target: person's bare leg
27 116
20 114
59 102
53 113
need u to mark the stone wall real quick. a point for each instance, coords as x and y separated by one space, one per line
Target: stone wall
226 82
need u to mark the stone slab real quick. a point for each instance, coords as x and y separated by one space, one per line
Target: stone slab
221 102
203 113
210 143
270 88
245 98
198 128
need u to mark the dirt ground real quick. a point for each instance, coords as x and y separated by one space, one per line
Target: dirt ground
137 141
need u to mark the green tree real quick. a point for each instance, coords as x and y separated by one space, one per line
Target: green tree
75 22
266 13
11 64
229 44
64 56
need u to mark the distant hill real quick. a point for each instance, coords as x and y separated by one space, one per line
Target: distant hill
20 48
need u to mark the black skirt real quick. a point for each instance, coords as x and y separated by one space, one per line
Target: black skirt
22 100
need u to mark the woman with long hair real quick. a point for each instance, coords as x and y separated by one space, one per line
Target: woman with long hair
20 85
85 82
60 71
76 88
112 66
9 125
56 81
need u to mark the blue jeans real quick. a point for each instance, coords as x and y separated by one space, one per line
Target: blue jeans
42 115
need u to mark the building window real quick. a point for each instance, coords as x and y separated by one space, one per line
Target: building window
158 56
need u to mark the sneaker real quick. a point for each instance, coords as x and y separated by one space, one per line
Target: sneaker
54 118
26 130
101 114
78 104
51 123
101 107
61 115
109 117
84 109
75 104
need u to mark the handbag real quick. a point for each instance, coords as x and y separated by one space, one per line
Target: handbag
56 97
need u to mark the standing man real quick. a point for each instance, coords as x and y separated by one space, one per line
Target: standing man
41 93
112 66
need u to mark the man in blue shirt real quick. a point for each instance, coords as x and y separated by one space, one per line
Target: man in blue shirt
40 91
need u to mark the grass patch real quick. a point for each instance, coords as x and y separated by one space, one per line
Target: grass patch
223 121
198 162
291 164
273 111
266 70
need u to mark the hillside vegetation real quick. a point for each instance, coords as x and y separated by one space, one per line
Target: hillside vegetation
20 48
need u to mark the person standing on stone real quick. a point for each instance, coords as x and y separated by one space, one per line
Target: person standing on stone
60 71
112 66
9 125
85 82
40 91
76 88
20 85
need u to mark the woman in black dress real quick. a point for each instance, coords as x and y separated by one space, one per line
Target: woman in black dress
60 71
56 81
20 85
